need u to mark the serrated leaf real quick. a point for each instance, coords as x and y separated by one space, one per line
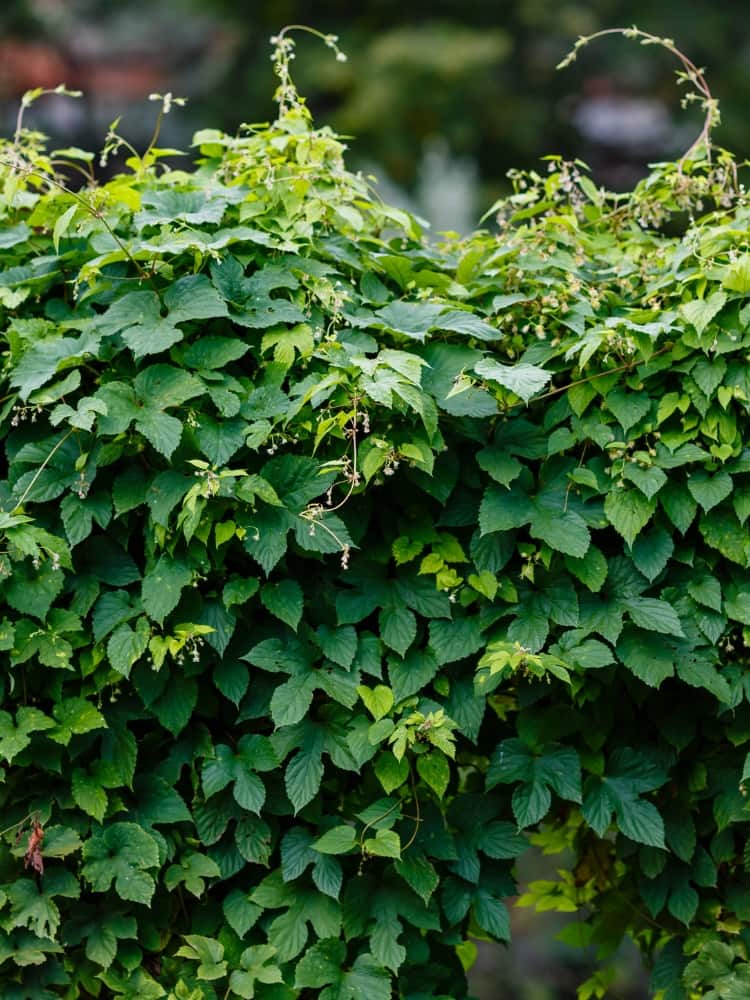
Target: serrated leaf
161 430
378 700
455 640
162 587
126 646
398 628
522 379
628 511
88 794
419 874
433 768
284 600
700 312
591 569
564 532
122 853
655 615
652 551
302 778
339 840
708 490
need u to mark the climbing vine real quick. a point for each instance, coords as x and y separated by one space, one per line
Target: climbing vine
339 566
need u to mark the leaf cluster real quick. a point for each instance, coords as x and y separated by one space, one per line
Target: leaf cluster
338 566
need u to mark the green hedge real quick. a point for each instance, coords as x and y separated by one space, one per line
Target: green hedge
338 566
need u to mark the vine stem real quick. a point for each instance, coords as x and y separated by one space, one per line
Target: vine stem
629 365
286 94
20 823
22 168
418 815
43 466
353 480
377 819
692 72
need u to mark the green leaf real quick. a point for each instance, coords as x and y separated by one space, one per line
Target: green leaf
655 615
398 628
162 386
302 778
679 505
175 706
707 490
126 646
208 952
459 321
254 753
14 738
194 297
391 773
385 844
455 640
89 795
419 874
162 587
503 510
707 591
628 408
700 673
191 872
103 935
646 656
523 380
240 913
557 769
500 839
220 439
591 569
255 969
74 716
152 335
652 551
503 468
232 679
211 352
564 532
339 645
291 701
492 915
434 769
35 909
321 965
13 235
161 430
700 312
649 480
378 701
617 793
339 840
284 600
737 277
122 853
628 511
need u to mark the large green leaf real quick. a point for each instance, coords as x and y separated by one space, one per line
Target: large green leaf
628 511
284 600
122 853
523 380
162 587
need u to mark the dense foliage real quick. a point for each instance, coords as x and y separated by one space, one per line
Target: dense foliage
337 567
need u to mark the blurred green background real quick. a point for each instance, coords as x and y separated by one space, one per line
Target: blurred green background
441 98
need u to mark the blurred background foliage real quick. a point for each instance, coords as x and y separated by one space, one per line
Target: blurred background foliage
441 98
